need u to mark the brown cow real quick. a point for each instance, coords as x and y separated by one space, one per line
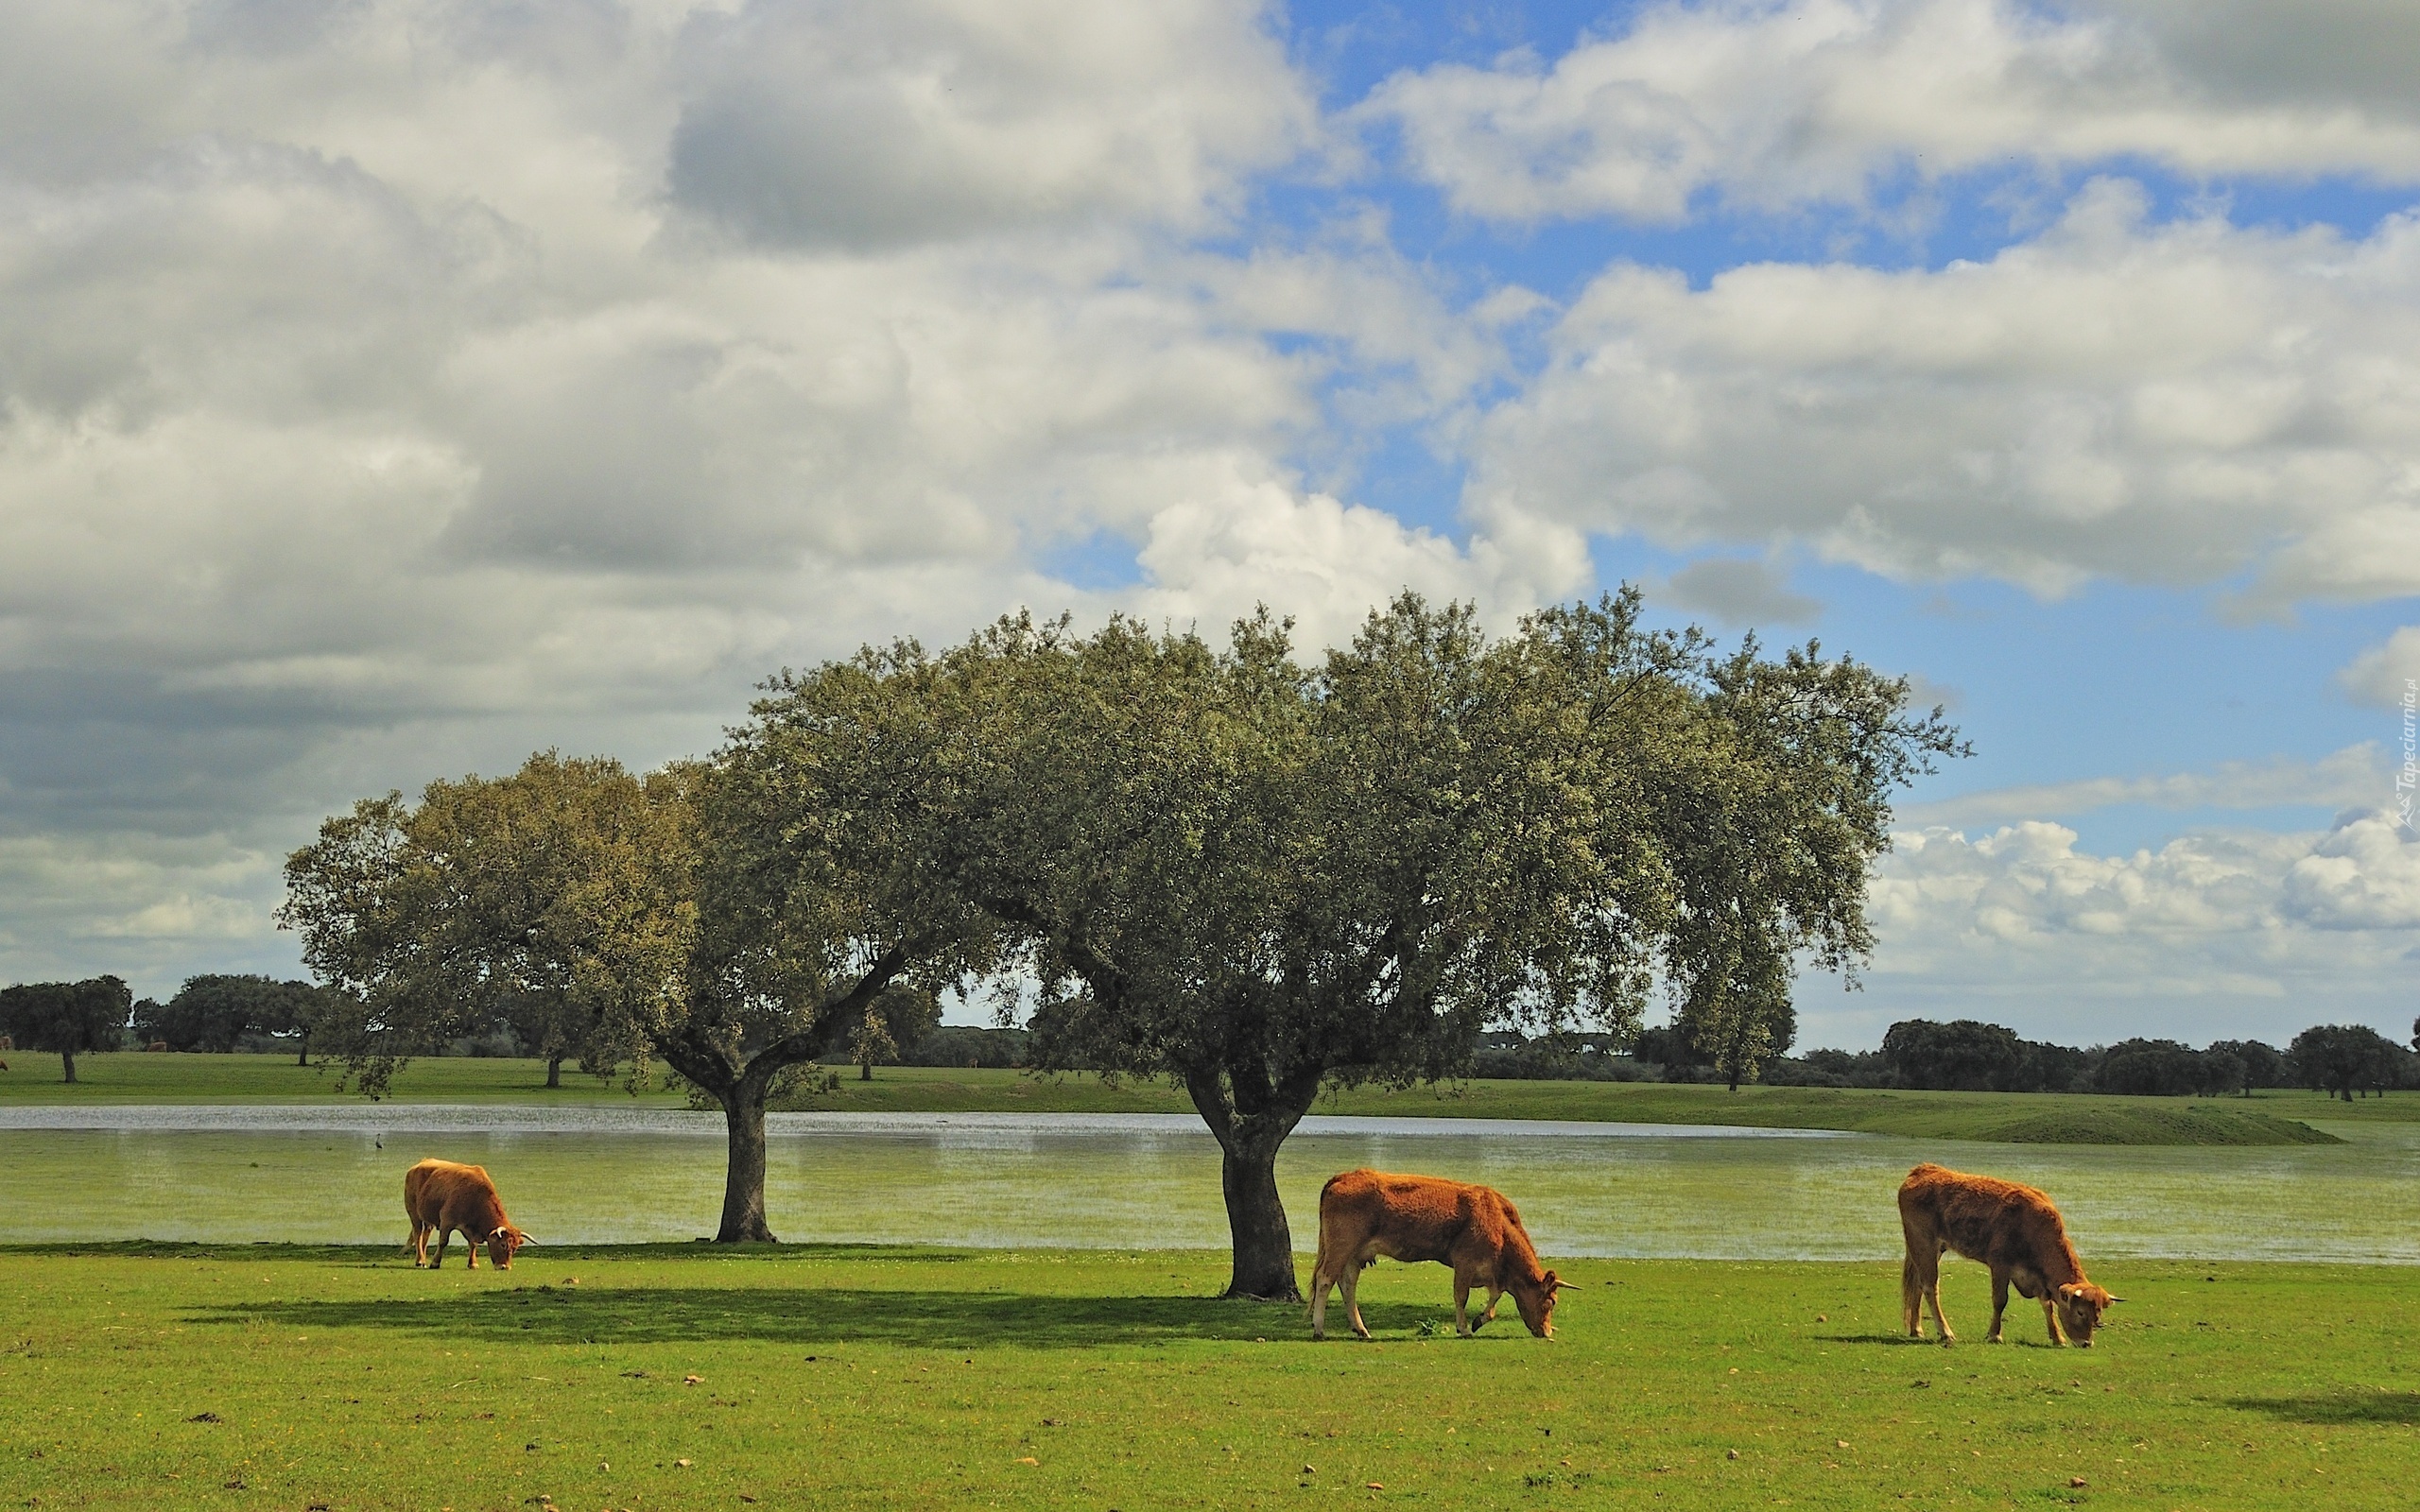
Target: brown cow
445 1196
2012 1229
1364 1214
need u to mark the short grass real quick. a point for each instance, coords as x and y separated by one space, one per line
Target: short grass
2267 1118
275 1377
136 1076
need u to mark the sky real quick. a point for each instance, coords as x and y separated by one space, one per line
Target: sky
389 389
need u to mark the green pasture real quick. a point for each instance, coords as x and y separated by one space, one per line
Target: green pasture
2266 1118
679 1376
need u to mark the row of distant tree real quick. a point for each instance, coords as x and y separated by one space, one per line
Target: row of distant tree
220 1013
1965 1055
2346 1060
209 1013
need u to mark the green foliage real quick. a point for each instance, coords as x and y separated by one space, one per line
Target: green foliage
1961 1056
1775 800
214 1013
67 1019
2345 1057
555 901
869 1043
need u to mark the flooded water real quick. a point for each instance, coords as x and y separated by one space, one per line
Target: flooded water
612 1174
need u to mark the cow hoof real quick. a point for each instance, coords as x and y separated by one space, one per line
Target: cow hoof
1947 1341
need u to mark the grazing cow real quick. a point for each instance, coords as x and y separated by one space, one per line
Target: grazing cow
2012 1229
1364 1214
443 1196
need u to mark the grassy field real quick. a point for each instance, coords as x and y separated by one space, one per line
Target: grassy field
2269 1118
279 1377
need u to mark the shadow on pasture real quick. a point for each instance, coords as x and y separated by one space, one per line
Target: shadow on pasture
1895 1340
954 1320
2337 1409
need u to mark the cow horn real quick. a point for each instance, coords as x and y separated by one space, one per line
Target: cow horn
2115 1301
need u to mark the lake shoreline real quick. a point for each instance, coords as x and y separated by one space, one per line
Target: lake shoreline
2267 1118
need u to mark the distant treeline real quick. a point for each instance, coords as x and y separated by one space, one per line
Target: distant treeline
1968 1055
223 1013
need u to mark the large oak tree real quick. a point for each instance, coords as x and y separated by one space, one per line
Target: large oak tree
1261 879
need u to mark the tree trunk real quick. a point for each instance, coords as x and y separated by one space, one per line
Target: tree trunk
1261 1241
743 1190
1263 1244
554 1072
865 1070
67 1059
303 1052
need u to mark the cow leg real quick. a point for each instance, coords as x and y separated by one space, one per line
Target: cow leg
1495 1294
2050 1315
437 1261
1911 1297
420 1245
1322 1284
1933 1293
1351 1302
471 1249
1463 1304
1999 1304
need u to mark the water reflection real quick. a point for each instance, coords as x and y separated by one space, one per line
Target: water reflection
594 1173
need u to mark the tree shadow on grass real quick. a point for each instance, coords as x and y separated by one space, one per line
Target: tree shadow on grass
2337 1409
668 1314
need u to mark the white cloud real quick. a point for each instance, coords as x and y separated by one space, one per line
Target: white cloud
1773 105
829 124
1212 558
389 388
2383 674
2210 936
149 908
2167 403
2352 777
1739 592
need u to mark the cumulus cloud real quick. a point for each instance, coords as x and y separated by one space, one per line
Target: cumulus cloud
146 904
2349 778
843 124
2383 674
1210 559
2167 403
1770 105
389 388
2209 935
1739 592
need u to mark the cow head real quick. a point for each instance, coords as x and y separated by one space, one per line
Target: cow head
502 1243
1537 1303
2080 1304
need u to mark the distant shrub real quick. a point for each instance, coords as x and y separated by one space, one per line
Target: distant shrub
965 1045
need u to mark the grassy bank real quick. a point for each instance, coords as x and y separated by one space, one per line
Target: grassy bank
2269 1118
274 1377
